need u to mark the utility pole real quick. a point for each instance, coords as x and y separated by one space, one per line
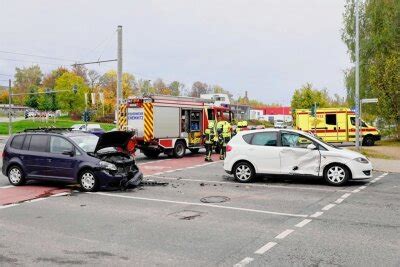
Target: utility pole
9 109
357 93
119 71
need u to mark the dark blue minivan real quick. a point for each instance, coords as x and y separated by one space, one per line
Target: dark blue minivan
70 156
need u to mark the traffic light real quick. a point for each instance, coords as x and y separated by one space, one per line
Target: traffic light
86 116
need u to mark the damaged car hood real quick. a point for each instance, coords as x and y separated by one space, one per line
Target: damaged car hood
113 139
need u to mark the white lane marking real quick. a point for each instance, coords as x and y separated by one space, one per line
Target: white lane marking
339 200
345 195
284 234
303 222
169 171
35 200
9 206
202 204
244 262
7 186
372 182
328 207
317 214
362 187
191 167
60 194
178 169
386 173
244 185
356 190
265 248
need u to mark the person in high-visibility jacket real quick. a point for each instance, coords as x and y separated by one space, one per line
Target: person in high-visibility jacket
239 127
209 135
224 135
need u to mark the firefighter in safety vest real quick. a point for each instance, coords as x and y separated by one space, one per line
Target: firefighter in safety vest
224 135
239 127
209 135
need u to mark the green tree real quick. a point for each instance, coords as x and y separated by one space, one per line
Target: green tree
379 53
68 100
306 96
49 80
176 88
32 99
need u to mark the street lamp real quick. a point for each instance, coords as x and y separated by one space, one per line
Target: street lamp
357 74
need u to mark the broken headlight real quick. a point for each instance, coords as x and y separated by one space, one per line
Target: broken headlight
107 165
361 160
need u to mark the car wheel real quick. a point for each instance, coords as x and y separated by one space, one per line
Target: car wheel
88 181
243 172
16 176
179 149
336 174
151 154
368 141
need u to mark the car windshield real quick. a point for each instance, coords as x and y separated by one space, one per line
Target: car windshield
321 141
86 142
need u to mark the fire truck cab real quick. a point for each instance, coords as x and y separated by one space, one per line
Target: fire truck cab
171 124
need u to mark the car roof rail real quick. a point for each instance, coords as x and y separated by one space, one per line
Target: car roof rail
47 129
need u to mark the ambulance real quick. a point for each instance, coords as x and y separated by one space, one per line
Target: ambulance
169 124
334 125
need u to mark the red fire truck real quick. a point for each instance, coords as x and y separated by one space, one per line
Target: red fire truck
171 124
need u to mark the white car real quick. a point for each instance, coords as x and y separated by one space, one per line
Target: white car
292 152
82 127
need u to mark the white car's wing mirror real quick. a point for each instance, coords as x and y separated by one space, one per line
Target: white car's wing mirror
311 147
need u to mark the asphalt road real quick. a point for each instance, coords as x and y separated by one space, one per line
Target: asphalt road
273 222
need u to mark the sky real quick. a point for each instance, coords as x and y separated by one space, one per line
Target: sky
266 47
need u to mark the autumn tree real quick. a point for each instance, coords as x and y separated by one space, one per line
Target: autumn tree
68 100
306 96
176 88
199 88
49 80
24 78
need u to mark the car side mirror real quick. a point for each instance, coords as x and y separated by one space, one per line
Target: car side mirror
311 147
68 152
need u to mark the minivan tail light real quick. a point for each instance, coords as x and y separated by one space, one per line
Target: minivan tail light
228 148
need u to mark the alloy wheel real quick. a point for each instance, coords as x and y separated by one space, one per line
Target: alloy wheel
88 181
15 175
243 172
336 174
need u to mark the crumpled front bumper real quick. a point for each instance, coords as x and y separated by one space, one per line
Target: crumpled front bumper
126 180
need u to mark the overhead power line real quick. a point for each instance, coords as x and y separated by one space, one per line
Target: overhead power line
39 56
30 61
93 62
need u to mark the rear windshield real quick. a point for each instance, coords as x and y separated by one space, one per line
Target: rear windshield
17 141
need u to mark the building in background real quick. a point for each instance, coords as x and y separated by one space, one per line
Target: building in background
241 112
273 114
256 114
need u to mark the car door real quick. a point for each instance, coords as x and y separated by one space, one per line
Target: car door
61 165
296 157
35 157
264 152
